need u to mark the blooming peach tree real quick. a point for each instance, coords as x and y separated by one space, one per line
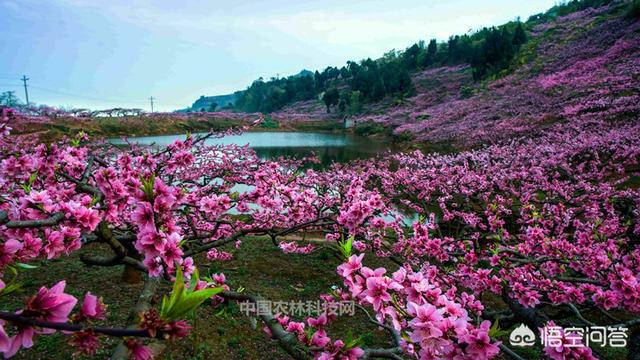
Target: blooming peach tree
536 231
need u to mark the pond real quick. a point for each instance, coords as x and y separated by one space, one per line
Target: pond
328 147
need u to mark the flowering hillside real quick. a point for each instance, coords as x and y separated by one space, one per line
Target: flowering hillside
582 65
585 65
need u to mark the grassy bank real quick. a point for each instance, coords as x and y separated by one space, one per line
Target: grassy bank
134 126
146 126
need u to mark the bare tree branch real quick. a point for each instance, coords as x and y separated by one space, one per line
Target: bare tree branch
119 332
286 340
21 224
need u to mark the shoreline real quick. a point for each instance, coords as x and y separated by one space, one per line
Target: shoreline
136 127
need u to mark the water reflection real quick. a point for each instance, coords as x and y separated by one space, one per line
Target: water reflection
326 155
327 147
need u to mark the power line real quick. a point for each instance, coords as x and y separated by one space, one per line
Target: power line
121 101
78 96
85 97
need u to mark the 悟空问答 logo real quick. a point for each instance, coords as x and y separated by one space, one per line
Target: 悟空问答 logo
522 336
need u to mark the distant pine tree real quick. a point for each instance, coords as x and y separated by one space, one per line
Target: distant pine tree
519 36
432 48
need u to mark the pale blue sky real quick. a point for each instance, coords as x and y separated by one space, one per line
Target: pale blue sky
110 53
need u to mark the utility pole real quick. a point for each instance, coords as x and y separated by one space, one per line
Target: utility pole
151 100
26 93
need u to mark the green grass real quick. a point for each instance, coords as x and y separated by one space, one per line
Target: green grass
142 126
128 126
370 128
318 125
257 266
269 123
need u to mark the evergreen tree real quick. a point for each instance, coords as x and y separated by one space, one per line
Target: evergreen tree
432 48
519 36
410 56
452 47
331 98
422 61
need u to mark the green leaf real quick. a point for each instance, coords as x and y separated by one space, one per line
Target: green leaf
10 288
309 331
94 200
222 312
192 301
147 186
183 301
495 331
351 342
349 245
495 327
345 247
13 270
177 292
32 178
194 279
26 266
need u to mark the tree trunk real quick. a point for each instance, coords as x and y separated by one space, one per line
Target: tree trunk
130 275
633 346
531 317
143 304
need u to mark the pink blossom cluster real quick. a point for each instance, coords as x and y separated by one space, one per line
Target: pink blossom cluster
313 333
437 323
292 248
545 213
55 306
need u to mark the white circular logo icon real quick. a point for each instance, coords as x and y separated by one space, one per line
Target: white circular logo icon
522 336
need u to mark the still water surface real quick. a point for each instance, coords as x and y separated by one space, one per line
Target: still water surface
327 147
269 145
